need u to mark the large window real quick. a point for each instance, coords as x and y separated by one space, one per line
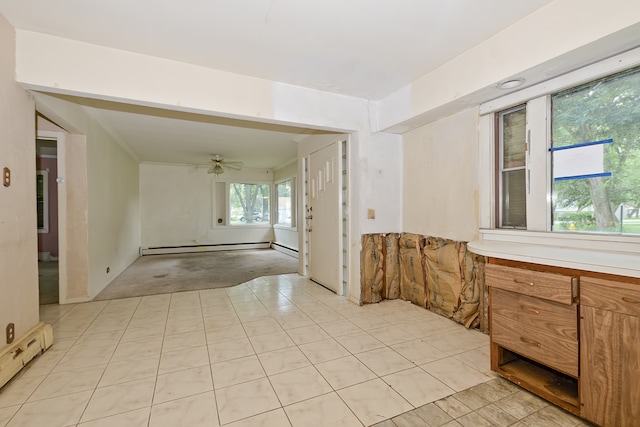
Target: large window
249 203
285 203
596 156
569 161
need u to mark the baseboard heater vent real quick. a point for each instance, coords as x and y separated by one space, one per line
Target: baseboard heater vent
15 356
159 250
285 249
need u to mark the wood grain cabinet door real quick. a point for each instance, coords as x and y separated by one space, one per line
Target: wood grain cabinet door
609 367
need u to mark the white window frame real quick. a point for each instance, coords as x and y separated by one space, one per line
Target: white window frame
538 100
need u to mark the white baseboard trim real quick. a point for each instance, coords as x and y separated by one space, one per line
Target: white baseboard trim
202 248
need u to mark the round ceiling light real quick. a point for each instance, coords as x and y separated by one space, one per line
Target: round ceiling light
510 84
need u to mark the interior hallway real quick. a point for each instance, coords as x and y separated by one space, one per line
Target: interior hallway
48 287
275 351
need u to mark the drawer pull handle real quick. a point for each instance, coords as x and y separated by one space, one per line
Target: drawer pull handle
530 310
523 282
528 341
630 301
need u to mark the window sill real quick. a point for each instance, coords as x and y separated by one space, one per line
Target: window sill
284 227
608 254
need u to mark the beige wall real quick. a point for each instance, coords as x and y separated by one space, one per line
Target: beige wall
112 196
441 178
77 218
18 243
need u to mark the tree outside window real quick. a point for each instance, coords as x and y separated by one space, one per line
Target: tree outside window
249 203
605 109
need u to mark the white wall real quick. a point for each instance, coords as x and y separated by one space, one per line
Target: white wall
441 178
287 236
383 189
179 206
18 243
113 216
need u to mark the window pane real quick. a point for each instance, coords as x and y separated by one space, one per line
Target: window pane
512 132
248 203
606 109
513 137
514 200
283 190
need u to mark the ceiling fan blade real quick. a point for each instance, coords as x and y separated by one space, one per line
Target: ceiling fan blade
233 165
211 169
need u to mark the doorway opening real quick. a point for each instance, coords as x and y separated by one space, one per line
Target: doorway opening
47 212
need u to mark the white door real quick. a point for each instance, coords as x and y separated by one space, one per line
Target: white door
324 217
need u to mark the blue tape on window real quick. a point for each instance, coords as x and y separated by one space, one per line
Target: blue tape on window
582 144
594 175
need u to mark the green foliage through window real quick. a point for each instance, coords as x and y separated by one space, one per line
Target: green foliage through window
608 108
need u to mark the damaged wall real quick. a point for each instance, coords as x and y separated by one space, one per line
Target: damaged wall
438 274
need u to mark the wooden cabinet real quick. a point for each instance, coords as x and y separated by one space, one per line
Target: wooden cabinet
538 329
534 331
610 348
569 336
544 285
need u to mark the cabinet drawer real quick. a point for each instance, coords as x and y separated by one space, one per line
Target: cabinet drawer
548 349
549 286
556 319
610 295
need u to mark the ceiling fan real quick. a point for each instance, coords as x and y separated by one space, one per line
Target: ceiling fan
218 164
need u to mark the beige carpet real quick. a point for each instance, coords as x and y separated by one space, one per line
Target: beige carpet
159 274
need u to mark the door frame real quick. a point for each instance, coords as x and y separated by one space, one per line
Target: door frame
343 253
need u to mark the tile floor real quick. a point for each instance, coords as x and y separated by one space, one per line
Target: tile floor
275 351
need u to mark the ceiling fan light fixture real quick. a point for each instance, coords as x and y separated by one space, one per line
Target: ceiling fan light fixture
217 169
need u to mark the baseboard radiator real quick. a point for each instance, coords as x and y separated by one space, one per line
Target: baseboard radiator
16 355
285 249
159 250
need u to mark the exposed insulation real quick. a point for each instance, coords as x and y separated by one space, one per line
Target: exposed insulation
471 293
434 273
392 267
443 260
412 279
372 268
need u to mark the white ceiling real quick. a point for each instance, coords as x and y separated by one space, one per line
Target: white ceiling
363 48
